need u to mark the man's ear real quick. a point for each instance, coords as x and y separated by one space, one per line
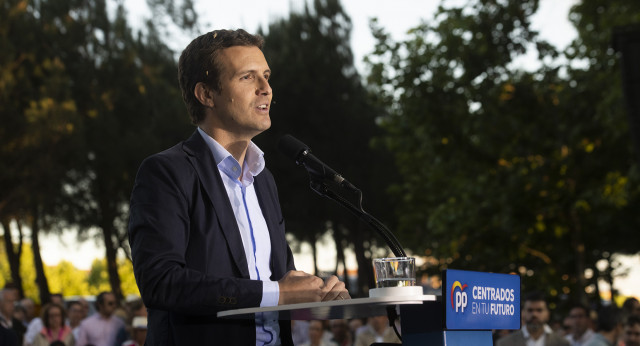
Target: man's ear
204 94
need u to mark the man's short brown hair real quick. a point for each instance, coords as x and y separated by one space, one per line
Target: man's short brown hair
199 63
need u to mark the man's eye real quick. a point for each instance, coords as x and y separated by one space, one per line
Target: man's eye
246 77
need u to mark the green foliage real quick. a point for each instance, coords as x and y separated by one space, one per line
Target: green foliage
82 101
505 170
66 279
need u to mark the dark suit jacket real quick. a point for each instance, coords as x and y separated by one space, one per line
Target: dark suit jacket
188 257
8 337
517 339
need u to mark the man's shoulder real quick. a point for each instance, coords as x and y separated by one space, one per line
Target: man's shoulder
598 340
89 319
555 339
515 338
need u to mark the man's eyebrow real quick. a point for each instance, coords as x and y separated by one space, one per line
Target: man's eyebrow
241 72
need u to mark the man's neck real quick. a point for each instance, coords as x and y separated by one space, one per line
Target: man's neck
537 333
577 336
610 336
5 320
235 145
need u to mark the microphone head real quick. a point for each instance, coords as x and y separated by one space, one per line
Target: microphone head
292 148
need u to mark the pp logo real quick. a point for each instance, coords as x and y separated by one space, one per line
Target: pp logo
460 296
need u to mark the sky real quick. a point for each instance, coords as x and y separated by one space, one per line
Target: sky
397 17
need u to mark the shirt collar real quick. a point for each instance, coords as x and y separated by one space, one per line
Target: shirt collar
253 160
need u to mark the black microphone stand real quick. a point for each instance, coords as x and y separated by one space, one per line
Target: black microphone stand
319 186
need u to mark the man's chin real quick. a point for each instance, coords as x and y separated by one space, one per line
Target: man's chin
534 326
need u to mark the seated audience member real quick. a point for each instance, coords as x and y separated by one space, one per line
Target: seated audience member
299 331
630 307
101 328
35 325
138 332
579 321
75 315
20 313
376 330
30 310
134 308
8 298
609 327
534 331
54 329
631 334
317 335
341 332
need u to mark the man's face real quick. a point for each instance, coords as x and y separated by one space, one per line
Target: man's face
85 308
8 303
535 314
578 321
28 307
75 314
109 305
55 317
315 331
339 329
242 106
139 335
632 335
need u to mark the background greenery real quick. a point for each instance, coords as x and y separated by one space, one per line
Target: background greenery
475 164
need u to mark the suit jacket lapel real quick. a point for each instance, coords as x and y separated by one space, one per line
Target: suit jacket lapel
202 160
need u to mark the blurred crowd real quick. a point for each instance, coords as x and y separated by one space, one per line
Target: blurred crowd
103 322
606 325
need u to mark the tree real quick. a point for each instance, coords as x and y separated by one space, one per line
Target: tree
40 123
84 100
128 93
505 170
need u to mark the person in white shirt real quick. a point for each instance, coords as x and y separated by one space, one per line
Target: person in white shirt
534 331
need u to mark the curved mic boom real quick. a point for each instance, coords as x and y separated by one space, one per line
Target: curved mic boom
320 173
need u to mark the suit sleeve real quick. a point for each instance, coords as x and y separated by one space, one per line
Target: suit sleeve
159 231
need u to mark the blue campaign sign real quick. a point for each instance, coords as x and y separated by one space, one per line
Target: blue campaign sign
481 301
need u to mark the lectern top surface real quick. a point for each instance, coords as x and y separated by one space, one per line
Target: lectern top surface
335 309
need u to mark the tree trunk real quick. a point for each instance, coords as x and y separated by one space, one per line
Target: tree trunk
112 263
13 255
339 239
579 251
365 268
41 278
610 277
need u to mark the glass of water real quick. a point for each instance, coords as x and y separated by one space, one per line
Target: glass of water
395 271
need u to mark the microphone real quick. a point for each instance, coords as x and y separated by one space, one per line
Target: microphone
301 154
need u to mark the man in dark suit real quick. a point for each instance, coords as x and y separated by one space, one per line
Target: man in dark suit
206 229
8 297
535 330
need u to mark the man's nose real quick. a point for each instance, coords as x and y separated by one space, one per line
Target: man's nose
263 87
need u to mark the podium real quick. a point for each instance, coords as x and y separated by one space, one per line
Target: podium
471 305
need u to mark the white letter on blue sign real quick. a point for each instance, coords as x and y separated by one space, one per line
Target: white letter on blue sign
461 300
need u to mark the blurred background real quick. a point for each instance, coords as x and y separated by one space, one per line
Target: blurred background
488 135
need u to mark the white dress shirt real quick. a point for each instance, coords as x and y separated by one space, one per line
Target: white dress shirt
238 181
